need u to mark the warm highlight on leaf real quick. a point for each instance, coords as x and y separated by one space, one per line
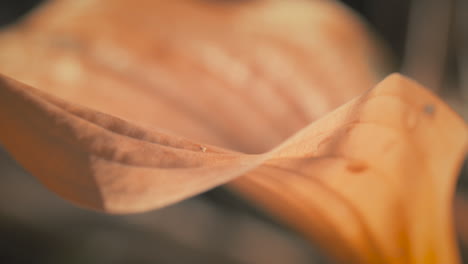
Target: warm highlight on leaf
372 181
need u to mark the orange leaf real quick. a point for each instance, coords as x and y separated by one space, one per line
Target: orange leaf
197 69
372 181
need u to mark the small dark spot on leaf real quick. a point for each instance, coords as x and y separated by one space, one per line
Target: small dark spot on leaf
356 166
429 109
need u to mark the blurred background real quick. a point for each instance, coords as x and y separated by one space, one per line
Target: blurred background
218 227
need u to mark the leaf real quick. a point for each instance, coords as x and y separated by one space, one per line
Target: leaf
381 170
372 181
198 68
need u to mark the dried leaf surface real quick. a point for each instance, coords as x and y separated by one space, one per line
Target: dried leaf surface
371 181
382 166
381 170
